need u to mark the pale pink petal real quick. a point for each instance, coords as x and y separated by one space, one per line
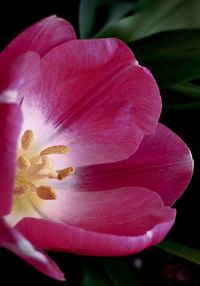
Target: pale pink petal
12 240
21 73
162 163
125 211
40 37
10 123
90 222
101 100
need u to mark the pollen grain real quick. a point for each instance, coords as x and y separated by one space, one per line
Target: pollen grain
46 193
65 173
27 139
56 149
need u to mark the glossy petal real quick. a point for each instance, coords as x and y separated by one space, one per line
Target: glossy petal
10 123
22 72
162 163
98 96
12 240
40 37
76 240
116 214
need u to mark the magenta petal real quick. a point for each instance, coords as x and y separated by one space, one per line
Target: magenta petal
88 219
98 96
10 124
23 71
12 240
162 163
40 37
77 240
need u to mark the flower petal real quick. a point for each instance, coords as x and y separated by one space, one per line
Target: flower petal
40 37
88 219
98 96
162 163
77 240
12 240
10 123
22 72
127 211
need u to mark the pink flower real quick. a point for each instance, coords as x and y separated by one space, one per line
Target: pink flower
85 166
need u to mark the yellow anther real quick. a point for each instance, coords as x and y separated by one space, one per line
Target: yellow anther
46 193
21 190
27 139
57 149
65 173
23 163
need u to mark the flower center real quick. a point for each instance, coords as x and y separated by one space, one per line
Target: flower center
36 169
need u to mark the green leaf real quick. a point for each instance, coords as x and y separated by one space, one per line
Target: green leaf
180 250
88 13
187 90
183 106
118 10
91 274
173 57
160 16
143 4
120 272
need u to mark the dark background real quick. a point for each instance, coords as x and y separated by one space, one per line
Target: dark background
17 15
159 268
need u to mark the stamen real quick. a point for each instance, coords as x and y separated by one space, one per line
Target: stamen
46 193
27 139
34 168
21 190
23 163
65 173
57 149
